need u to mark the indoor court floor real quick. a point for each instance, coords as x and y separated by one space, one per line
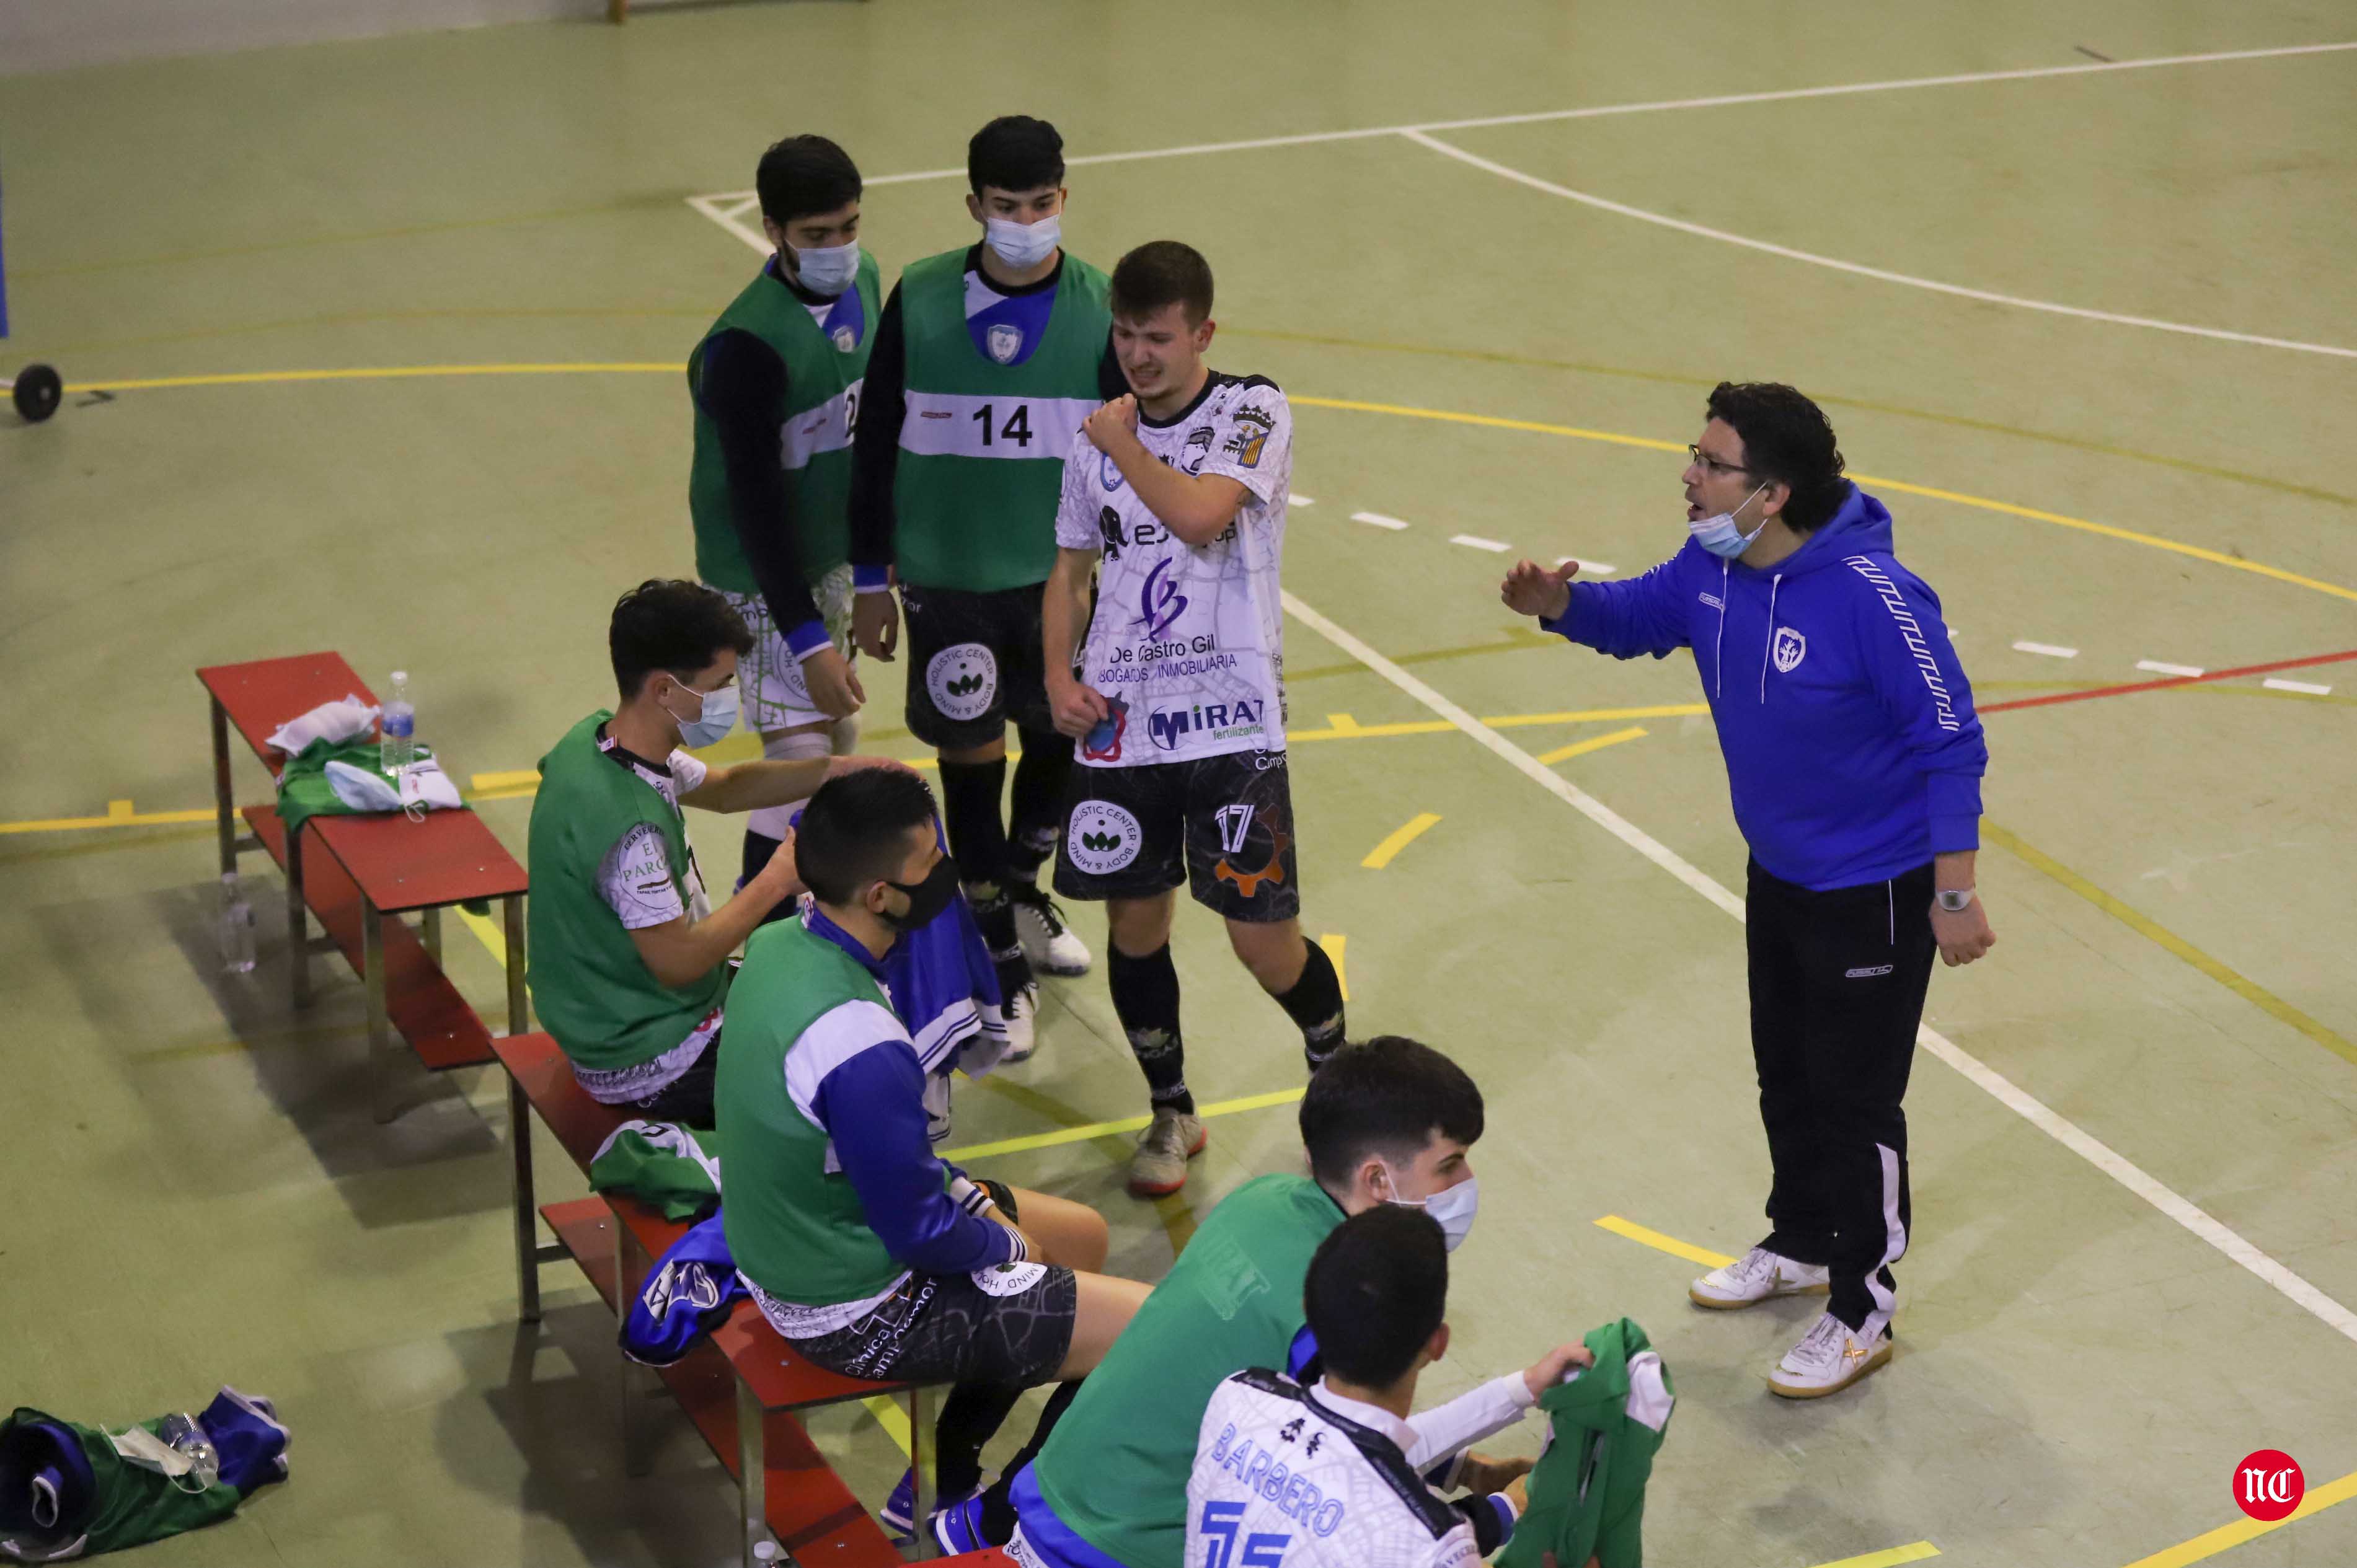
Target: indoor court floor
379 346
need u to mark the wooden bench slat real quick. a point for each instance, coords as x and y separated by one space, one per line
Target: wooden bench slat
418 997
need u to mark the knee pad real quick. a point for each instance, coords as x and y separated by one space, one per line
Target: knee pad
777 820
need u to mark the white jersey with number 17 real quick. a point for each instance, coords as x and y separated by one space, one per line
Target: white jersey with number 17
1188 640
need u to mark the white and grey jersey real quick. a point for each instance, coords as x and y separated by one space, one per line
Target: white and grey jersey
1189 638
1281 1478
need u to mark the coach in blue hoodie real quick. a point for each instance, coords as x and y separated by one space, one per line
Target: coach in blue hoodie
1855 760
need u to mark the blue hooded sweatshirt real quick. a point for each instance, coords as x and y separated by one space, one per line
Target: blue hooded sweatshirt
1852 752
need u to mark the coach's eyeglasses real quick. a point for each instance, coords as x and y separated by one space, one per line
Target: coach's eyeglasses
1713 464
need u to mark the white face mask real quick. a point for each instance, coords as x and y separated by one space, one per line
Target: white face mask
712 722
828 270
1452 1207
1024 245
1719 535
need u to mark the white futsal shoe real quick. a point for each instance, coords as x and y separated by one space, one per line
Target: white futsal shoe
1022 1012
1829 1357
1048 944
1756 1276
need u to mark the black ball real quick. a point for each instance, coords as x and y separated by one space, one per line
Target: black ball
38 390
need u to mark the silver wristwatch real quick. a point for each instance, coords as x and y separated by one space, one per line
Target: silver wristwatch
1954 900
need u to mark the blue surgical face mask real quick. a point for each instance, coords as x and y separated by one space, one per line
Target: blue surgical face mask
1024 245
1719 535
712 720
1452 1207
827 270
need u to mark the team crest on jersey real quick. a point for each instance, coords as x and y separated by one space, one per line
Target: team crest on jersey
846 339
962 680
1005 340
1790 648
1108 473
1103 839
1253 426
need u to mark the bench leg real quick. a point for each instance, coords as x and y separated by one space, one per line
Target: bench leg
527 1232
429 931
379 1027
923 1461
630 1266
752 1476
298 929
519 997
223 807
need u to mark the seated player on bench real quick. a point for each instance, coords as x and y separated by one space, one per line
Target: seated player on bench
859 1244
1389 1122
628 960
1319 1475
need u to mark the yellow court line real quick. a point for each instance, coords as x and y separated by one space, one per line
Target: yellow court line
1597 716
1915 1552
1383 854
2317 1499
891 1418
2249 990
112 819
1594 743
528 777
1335 943
1403 410
1127 1124
1660 1243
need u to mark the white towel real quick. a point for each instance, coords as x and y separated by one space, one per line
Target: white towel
348 718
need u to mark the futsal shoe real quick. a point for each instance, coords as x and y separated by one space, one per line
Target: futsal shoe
1021 1010
1756 1276
958 1528
1159 1166
1047 943
901 1509
1829 1357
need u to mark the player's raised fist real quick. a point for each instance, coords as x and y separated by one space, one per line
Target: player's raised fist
1110 423
1530 589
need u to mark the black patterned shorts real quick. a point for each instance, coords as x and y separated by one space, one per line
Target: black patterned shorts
1222 825
947 1328
974 665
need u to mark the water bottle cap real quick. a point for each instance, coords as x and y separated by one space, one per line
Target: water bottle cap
401 674
766 1551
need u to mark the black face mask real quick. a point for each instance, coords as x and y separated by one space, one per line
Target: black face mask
925 898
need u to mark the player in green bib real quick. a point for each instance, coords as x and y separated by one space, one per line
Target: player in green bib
986 361
776 384
1387 1122
628 959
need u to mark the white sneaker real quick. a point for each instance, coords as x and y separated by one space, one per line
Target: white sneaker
1159 1167
1049 945
1754 1277
1022 1012
1829 1357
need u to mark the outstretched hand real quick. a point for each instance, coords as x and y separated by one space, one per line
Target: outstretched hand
1530 589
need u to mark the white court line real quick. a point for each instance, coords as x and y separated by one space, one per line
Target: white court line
2157 667
2048 649
1377 520
744 199
1878 273
1298 499
1475 540
2010 1095
2303 687
1601 568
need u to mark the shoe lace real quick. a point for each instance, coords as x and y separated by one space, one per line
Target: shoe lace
1168 1135
1755 1263
1825 1334
1039 901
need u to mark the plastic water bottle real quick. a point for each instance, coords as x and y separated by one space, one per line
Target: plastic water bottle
188 1434
398 747
236 927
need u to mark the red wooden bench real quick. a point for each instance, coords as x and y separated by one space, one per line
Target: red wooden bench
742 1385
373 866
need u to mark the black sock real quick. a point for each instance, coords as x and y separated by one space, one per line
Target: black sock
1146 996
970 1416
1314 1004
998 1502
759 850
1036 812
970 809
